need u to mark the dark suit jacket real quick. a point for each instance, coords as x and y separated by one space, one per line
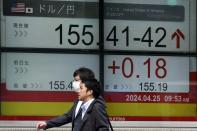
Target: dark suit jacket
95 118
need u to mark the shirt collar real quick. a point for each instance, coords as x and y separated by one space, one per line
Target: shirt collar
85 105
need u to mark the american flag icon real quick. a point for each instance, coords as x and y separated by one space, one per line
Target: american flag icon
18 8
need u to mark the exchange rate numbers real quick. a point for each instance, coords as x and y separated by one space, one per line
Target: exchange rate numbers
57 85
160 63
128 65
153 86
60 29
75 35
146 38
112 36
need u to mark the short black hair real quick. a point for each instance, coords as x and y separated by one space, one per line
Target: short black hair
94 85
84 73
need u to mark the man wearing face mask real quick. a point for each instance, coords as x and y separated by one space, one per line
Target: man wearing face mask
79 75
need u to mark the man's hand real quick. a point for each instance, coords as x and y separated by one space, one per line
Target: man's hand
41 125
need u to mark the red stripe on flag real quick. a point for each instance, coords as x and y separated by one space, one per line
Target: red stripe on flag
18 7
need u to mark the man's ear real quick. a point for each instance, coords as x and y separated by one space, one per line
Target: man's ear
91 92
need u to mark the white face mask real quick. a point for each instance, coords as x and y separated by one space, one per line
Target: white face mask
76 85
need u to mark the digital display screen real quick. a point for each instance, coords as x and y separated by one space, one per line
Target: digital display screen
146 74
150 87
44 72
51 24
146 25
38 84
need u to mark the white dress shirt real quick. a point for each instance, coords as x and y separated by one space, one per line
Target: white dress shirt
84 107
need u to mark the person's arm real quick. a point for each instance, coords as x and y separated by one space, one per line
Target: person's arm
57 121
61 120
